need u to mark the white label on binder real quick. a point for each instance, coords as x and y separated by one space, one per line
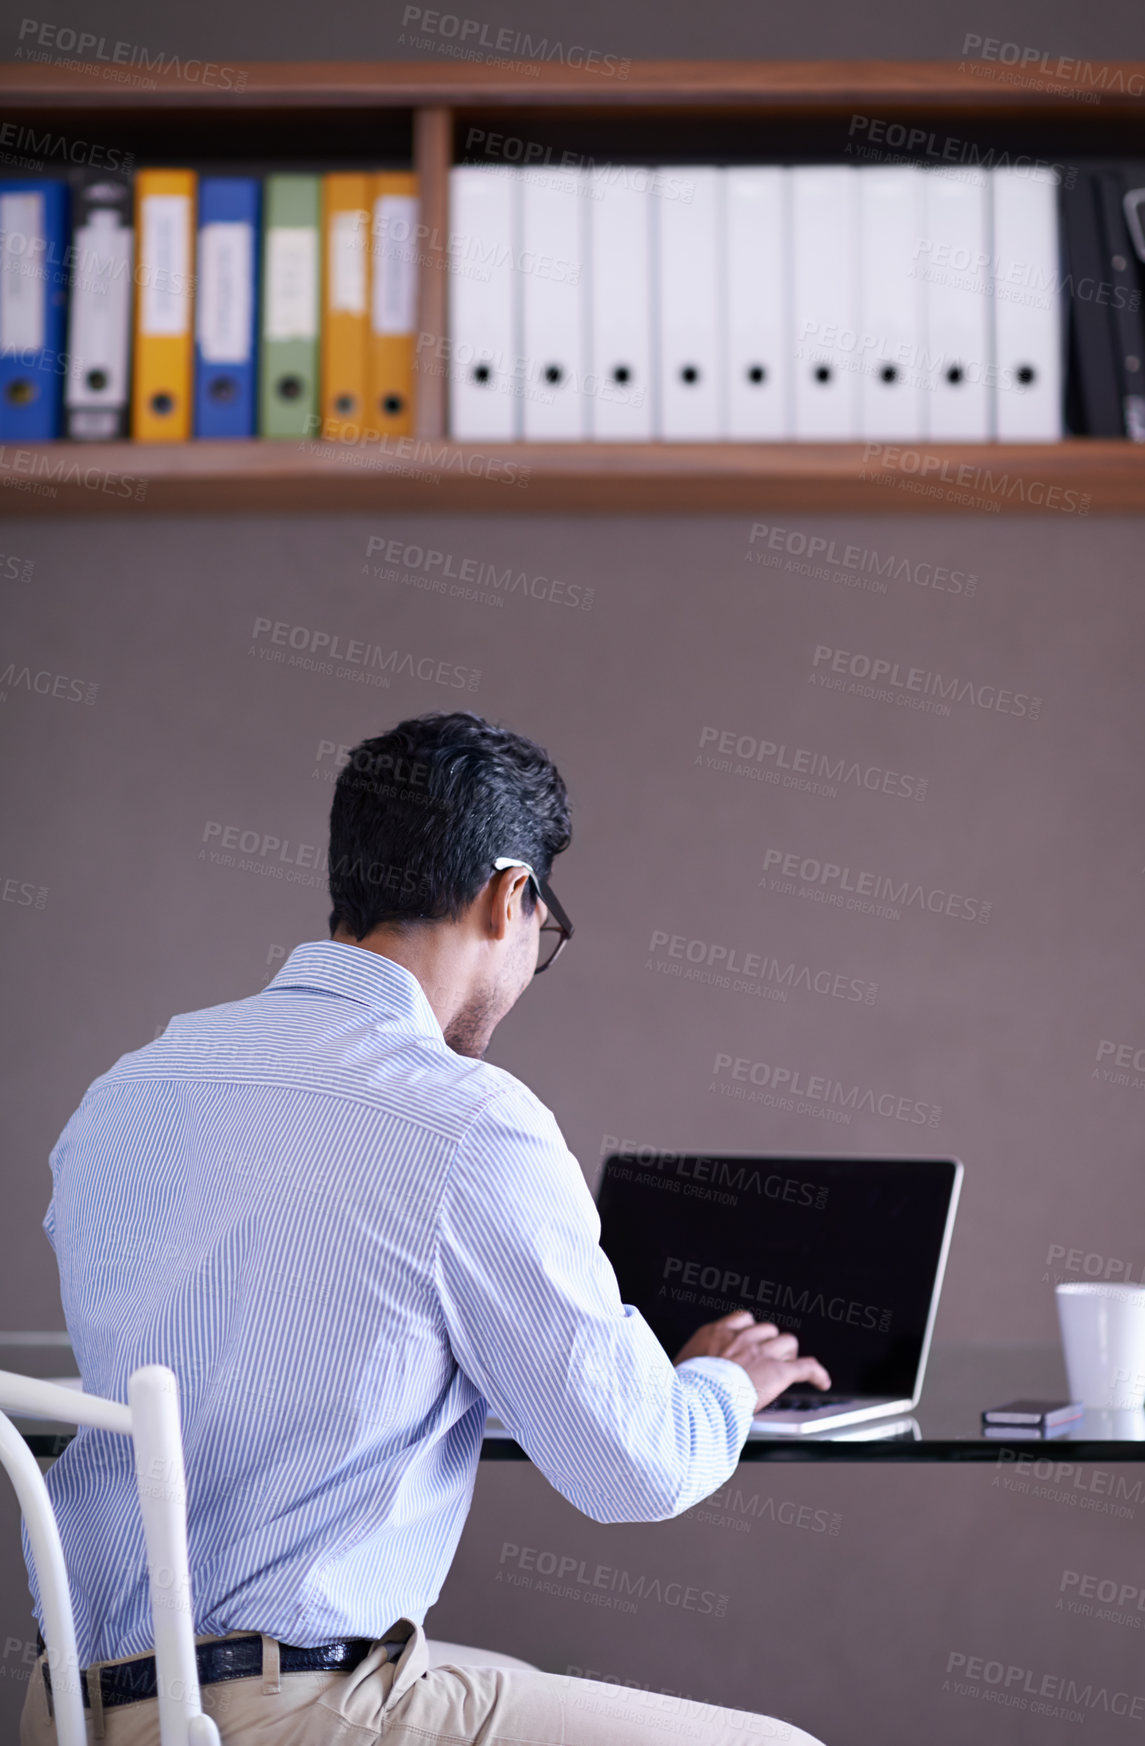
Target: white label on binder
165 288
349 233
292 282
226 290
22 290
100 313
395 263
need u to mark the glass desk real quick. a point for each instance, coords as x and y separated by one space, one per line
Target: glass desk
945 1426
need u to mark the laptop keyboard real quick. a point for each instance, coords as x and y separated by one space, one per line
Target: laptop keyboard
803 1406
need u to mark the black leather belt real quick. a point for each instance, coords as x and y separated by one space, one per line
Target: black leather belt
133 1682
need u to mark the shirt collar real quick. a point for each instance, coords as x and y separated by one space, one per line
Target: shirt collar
359 974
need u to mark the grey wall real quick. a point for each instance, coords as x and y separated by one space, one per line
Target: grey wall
979 1036
114 916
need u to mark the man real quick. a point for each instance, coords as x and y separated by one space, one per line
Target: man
350 1236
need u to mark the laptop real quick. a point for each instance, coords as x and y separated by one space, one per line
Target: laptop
847 1253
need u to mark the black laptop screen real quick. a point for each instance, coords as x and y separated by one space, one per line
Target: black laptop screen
842 1252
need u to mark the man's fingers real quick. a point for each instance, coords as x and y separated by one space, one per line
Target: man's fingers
772 1345
807 1370
779 1347
743 1318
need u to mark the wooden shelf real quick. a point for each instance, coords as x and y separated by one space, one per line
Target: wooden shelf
417 474
825 87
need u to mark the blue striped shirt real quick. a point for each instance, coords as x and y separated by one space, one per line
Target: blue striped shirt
349 1243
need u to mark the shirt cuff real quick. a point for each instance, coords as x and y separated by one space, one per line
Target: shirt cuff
732 1378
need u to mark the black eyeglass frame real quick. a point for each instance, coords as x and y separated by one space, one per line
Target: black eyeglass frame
545 892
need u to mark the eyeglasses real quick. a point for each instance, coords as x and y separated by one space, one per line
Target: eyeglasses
556 930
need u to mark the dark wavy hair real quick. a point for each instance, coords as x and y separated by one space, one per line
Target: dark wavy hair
421 813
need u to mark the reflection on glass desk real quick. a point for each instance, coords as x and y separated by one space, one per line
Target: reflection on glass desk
946 1425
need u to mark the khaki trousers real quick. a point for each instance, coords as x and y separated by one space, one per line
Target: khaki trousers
405 1703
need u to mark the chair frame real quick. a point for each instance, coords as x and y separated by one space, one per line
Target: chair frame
151 1420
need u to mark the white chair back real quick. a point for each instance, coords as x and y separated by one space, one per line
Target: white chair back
151 1420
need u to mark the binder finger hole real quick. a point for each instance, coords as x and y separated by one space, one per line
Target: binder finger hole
822 373
344 404
756 374
162 404
955 374
621 373
554 374
1025 374
393 404
21 392
223 390
888 374
96 380
289 387
690 373
482 374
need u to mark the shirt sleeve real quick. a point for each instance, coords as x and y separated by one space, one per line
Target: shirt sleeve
536 1322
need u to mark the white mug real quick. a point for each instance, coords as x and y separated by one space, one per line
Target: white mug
1103 1341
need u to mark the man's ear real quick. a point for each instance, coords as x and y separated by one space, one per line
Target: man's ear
502 897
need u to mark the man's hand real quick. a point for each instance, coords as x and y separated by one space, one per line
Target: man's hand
769 1357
